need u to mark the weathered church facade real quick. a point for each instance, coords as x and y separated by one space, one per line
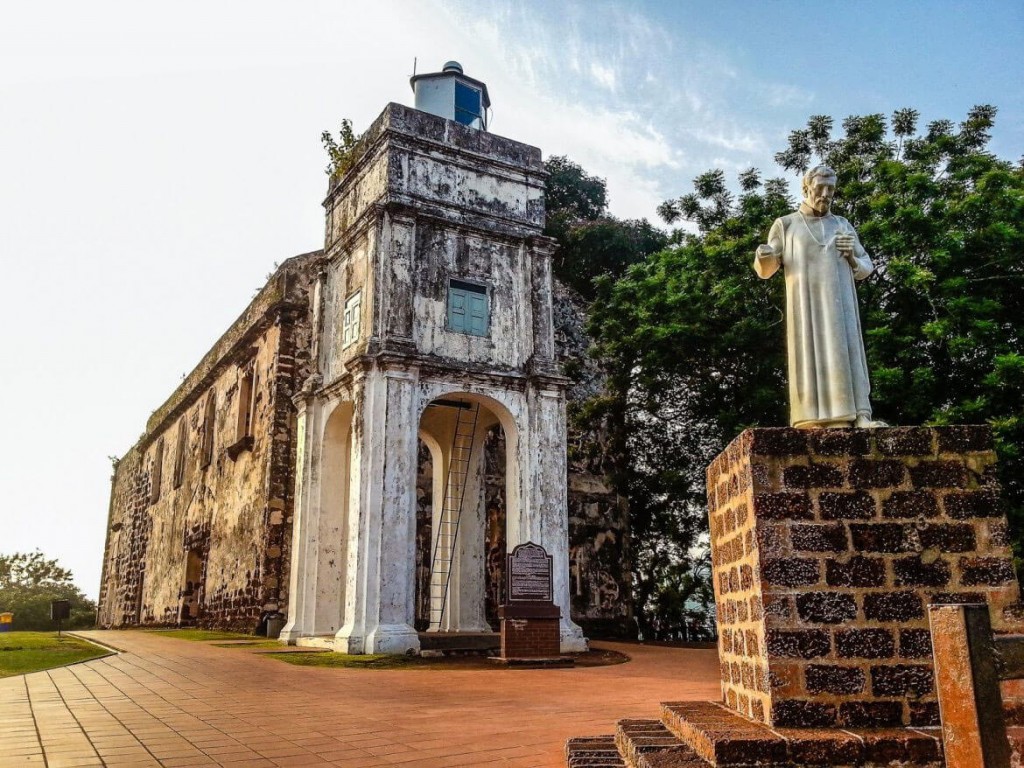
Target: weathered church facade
384 421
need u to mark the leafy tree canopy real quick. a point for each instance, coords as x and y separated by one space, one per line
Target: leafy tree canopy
693 341
572 195
591 242
28 582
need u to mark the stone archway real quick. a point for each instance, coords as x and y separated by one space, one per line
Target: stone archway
454 589
335 479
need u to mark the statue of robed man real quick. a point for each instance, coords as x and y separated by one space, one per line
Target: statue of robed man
821 257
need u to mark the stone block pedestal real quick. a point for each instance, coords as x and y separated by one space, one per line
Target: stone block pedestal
827 546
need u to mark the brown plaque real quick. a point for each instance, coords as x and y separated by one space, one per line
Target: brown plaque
529 574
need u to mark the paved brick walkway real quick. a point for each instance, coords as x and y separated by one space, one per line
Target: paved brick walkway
168 702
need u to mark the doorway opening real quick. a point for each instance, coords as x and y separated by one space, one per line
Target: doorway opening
190 604
464 483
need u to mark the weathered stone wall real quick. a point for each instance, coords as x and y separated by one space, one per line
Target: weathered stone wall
128 533
600 549
827 547
229 506
599 557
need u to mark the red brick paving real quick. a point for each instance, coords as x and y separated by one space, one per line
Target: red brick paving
169 702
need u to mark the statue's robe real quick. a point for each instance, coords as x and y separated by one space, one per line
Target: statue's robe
828 372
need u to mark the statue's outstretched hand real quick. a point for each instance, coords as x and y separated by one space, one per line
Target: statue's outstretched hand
765 251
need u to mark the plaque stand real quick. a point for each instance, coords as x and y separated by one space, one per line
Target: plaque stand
529 617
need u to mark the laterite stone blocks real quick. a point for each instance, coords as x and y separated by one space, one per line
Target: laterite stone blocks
827 547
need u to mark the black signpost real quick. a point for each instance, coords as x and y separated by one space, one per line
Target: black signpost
60 610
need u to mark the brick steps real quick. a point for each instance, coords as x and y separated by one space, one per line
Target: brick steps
725 738
593 752
649 744
709 735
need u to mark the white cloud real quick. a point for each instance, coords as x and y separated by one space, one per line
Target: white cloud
603 76
731 139
784 94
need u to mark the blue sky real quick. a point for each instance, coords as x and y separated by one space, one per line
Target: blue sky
694 85
156 161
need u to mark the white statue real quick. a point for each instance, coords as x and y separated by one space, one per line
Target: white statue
821 257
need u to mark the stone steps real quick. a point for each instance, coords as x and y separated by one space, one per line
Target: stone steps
726 739
593 752
649 744
709 735
460 642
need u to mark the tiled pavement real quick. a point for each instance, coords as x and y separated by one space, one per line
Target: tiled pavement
168 702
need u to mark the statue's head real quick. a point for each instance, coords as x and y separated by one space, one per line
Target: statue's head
819 187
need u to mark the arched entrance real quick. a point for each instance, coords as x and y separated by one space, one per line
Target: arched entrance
463 508
191 588
332 535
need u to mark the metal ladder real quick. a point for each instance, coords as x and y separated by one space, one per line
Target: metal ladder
446 535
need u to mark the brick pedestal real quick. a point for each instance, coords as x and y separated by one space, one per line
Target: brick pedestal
529 631
827 545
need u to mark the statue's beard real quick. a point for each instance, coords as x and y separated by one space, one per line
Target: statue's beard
820 206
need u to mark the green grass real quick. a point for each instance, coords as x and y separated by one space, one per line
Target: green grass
345 661
24 652
248 646
201 634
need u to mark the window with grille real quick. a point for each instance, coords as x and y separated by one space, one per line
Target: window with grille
468 308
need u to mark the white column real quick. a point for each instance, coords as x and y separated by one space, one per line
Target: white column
394 632
302 579
381 576
548 525
362 553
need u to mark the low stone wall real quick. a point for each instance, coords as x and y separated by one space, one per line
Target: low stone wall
827 546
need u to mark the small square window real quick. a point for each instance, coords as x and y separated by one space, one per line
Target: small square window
468 308
350 321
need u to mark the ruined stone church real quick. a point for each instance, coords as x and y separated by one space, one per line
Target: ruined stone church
355 455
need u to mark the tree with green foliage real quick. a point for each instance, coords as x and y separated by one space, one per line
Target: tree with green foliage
591 242
693 342
571 196
28 582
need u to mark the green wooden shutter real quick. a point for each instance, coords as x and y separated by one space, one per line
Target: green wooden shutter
457 310
468 308
478 314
